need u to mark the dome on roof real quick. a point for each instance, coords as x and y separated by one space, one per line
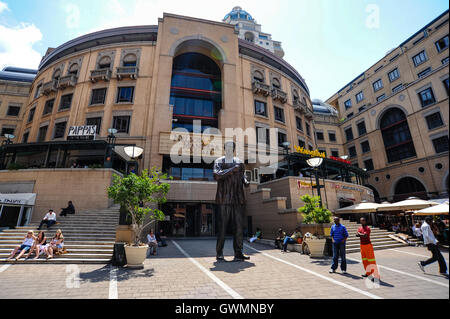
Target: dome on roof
323 108
238 14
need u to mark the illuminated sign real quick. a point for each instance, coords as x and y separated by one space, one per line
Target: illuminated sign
315 153
340 160
302 184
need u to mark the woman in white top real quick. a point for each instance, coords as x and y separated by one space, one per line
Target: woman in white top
26 245
39 246
55 245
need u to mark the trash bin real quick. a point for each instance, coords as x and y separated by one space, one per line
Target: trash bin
119 258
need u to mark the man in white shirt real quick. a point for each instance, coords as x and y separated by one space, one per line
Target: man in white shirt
430 241
49 219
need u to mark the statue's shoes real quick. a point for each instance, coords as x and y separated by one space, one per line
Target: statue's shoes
241 258
220 257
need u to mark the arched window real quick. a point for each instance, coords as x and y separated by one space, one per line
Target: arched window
104 63
130 60
276 83
249 37
258 77
196 91
396 135
73 69
57 74
295 96
409 186
376 195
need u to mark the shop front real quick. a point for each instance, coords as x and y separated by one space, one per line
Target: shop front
16 209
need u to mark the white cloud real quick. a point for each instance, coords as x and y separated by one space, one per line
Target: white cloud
73 16
3 7
16 46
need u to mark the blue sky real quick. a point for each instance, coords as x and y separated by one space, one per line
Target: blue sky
328 41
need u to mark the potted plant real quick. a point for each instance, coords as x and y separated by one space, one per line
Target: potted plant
139 195
316 217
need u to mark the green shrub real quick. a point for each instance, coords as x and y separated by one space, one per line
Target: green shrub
15 166
312 212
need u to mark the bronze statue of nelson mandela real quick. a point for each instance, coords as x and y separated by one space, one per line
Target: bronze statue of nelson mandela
229 174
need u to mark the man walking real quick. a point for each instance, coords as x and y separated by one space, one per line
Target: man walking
430 241
367 254
338 235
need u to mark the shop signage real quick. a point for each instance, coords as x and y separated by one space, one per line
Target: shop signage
340 160
302 184
314 153
82 132
17 199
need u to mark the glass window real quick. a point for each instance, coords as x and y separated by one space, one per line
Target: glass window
446 85
361 128
426 97
359 97
335 153
320 136
60 130
308 129
42 134
396 135
365 147
352 151
368 164
48 107
13 110
125 94
441 144
276 83
424 72
350 115
129 60
262 135
7 130
66 101
31 114
38 91
348 104
332 136
279 114
258 77
381 97
105 63
393 75
377 85
434 120
98 96
420 58
121 124
301 143
397 88
281 138
260 108
25 137
95 121
362 108
349 134
299 123
445 60
442 44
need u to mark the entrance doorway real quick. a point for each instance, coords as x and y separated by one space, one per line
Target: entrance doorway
9 216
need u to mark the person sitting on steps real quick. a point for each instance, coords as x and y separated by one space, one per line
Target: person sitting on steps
49 219
56 244
39 246
70 209
26 245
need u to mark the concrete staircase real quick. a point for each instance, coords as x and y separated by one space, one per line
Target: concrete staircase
88 237
379 237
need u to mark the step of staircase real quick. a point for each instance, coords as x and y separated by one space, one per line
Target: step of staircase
88 237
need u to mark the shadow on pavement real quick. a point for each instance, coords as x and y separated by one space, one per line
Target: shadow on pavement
103 274
231 267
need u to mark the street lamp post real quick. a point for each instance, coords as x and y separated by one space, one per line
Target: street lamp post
315 162
111 140
286 148
133 152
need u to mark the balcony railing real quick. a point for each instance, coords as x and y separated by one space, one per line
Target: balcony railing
309 113
279 95
299 106
67 81
101 74
260 88
127 71
49 87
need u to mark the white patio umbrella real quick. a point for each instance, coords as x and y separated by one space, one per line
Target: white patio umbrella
360 208
412 203
441 209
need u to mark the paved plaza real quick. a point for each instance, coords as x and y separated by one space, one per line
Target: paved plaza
187 268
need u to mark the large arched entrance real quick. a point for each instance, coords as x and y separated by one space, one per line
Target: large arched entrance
376 195
397 138
407 187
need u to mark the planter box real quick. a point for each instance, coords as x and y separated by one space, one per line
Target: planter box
136 256
316 229
316 247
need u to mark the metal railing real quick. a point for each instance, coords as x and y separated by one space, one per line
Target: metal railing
101 74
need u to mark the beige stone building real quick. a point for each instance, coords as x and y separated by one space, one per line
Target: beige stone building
15 86
146 81
393 117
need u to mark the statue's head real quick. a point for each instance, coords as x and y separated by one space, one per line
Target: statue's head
229 147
